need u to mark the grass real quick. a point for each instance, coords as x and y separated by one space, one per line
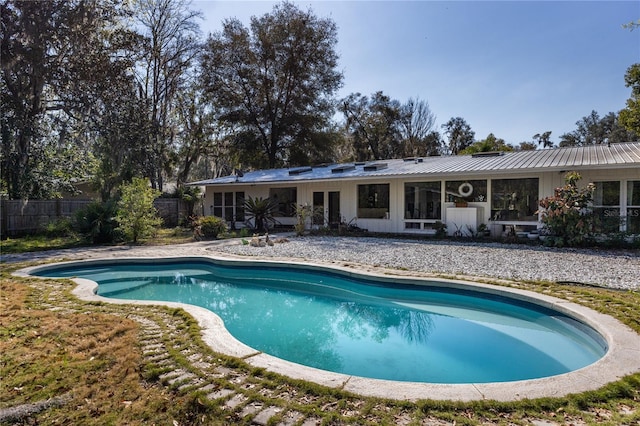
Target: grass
39 242
93 357
33 243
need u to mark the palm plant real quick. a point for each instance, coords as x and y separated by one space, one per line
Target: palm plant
261 210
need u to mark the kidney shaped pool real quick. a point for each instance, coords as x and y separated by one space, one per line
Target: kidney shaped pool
382 328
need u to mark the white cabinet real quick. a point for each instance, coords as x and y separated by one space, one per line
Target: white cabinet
463 221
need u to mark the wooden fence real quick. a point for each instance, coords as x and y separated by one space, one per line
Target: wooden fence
21 217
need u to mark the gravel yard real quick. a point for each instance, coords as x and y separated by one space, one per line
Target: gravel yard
611 268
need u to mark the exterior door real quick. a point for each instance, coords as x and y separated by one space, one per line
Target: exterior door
327 206
334 208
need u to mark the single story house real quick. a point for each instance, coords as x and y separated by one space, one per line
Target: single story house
498 189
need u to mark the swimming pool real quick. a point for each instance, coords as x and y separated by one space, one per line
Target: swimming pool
376 327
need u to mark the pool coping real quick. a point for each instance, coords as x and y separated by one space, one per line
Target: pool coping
622 357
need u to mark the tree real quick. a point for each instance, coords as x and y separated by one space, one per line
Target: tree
459 133
593 130
136 215
527 146
53 53
415 126
195 132
120 138
273 82
373 125
629 117
434 145
632 25
543 139
171 33
491 143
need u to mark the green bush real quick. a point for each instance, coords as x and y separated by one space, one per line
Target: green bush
211 226
567 217
62 227
97 222
136 215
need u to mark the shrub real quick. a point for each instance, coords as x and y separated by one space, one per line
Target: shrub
212 226
136 215
262 211
566 215
97 222
62 227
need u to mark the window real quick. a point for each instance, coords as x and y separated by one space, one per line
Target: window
514 199
285 200
633 206
470 190
228 205
606 205
373 201
422 200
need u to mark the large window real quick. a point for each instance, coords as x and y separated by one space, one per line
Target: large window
606 205
285 199
422 200
514 199
470 190
228 205
633 206
373 201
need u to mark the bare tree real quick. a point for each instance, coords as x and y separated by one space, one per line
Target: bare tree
416 123
171 32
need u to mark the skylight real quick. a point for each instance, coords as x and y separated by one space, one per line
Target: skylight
343 168
299 170
375 166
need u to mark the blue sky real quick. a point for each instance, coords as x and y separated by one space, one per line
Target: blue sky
511 68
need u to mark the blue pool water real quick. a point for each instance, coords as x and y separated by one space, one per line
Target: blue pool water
362 326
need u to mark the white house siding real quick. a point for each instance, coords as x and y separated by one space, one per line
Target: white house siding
618 162
348 191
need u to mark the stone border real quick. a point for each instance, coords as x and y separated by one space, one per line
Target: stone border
621 359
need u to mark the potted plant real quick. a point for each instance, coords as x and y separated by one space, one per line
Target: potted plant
483 230
461 202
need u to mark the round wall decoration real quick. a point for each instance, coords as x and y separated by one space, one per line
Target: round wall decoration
465 189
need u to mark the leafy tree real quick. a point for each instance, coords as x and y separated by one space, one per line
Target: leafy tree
434 145
527 146
543 139
632 25
136 215
373 125
273 82
459 134
630 116
593 130
171 45
120 131
491 143
53 52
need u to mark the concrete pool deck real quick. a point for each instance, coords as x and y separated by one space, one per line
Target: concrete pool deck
622 358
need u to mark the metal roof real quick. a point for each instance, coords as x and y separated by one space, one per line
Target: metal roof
615 156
